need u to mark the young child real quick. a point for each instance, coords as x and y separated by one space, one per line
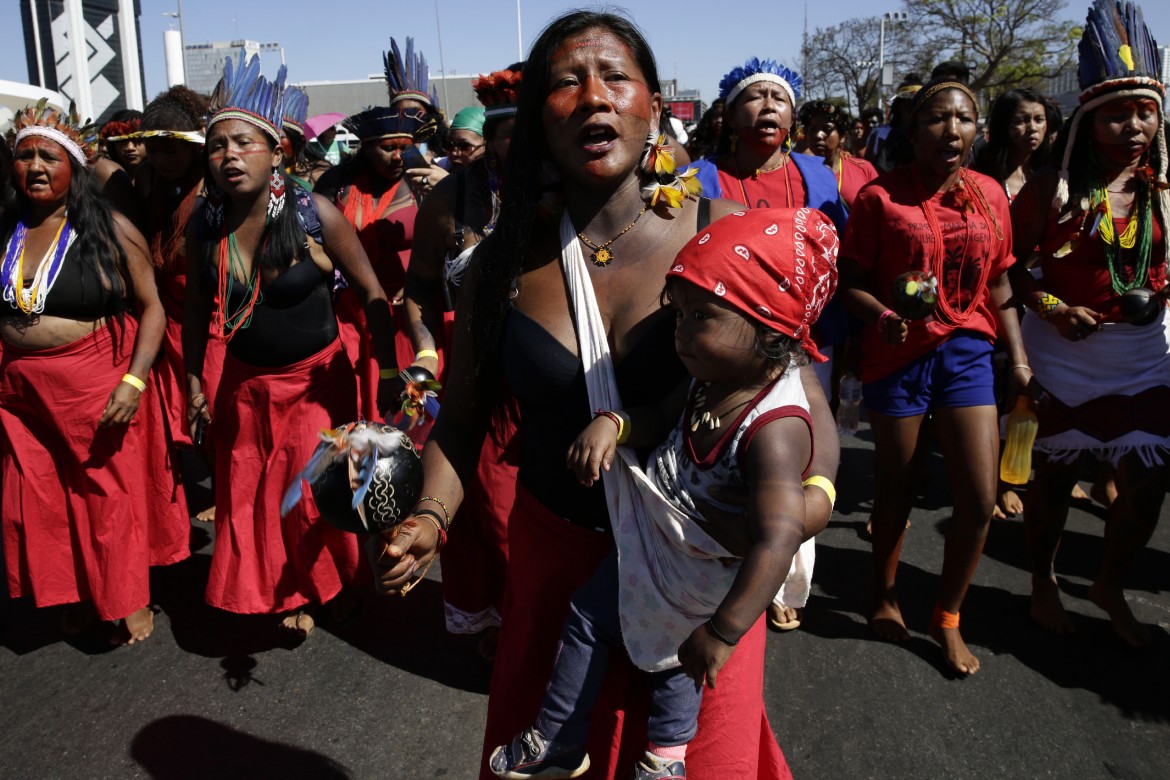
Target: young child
691 575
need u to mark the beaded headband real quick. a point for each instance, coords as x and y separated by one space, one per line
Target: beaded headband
924 94
79 140
180 135
244 94
756 70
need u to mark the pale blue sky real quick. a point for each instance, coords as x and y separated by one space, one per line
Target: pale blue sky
694 40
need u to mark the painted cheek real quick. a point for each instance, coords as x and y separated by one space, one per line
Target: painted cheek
633 97
559 105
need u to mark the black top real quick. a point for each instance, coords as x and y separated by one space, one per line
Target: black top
293 318
549 383
78 293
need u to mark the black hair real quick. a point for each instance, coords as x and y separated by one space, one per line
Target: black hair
772 346
99 252
283 239
179 108
867 113
504 255
836 113
703 138
951 70
995 158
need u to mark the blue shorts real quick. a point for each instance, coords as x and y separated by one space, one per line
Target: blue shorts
954 374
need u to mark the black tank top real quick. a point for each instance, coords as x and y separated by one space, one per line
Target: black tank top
293 319
549 384
78 293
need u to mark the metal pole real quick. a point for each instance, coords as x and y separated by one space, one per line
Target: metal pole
442 67
519 35
183 37
881 60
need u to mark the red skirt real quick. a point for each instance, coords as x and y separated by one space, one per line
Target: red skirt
359 346
475 558
268 422
170 373
78 516
549 560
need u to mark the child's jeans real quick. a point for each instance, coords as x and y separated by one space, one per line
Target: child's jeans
592 631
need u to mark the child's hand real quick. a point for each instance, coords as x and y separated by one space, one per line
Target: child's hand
593 450
702 656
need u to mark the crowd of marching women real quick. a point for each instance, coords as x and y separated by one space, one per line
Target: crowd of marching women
635 345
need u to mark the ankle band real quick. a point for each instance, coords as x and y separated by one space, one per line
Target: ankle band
944 619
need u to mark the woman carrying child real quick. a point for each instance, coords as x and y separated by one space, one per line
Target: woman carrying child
745 293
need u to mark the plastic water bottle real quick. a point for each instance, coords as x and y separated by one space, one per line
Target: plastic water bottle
1016 464
849 404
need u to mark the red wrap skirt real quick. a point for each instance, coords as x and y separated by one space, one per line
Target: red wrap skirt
549 559
83 514
170 373
268 422
359 345
475 558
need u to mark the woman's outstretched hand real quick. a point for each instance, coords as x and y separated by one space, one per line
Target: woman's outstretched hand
702 656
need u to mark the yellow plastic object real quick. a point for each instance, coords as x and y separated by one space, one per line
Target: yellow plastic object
1016 464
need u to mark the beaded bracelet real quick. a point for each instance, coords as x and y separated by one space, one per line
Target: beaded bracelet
1046 305
718 635
446 513
616 419
434 518
134 382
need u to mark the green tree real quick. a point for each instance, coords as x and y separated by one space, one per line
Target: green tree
843 59
1006 42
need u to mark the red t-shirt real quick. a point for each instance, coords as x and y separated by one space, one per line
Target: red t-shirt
778 189
888 234
1081 277
855 174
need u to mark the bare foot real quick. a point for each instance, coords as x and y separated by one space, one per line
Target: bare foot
1047 609
136 627
1008 504
887 622
783 618
78 618
955 651
207 515
1079 495
1112 600
298 624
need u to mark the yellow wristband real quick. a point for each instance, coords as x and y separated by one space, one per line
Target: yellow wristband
134 382
824 484
426 353
387 373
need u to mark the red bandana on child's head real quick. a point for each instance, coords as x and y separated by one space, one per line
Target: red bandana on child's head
777 266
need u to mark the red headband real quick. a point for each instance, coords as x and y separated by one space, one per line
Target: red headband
777 266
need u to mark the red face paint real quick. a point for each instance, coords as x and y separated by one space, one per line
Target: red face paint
42 171
1124 129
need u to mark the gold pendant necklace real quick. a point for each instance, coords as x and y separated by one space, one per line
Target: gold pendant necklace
602 255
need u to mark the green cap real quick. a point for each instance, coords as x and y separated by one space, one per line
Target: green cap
470 118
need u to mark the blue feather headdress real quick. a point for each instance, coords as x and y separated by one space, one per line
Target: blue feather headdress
755 70
1119 59
1117 50
377 123
243 93
408 77
296 109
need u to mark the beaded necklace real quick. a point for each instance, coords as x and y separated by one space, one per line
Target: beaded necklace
755 177
31 299
1138 234
957 315
225 324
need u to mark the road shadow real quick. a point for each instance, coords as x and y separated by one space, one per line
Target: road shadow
187 747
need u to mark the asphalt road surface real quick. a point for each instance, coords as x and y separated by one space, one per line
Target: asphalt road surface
212 695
